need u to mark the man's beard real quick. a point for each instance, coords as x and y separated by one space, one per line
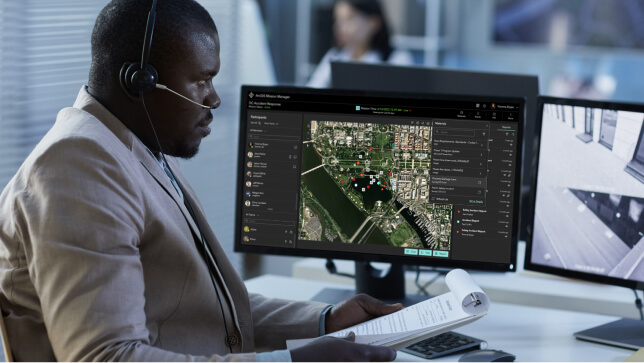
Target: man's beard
183 151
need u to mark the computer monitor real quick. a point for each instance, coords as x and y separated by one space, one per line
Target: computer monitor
589 200
371 176
388 78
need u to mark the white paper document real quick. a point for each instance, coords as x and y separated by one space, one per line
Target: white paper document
465 303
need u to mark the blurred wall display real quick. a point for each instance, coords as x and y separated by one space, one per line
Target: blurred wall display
561 24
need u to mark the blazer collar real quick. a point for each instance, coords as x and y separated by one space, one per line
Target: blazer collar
89 104
153 167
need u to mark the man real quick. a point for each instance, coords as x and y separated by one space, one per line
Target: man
105 252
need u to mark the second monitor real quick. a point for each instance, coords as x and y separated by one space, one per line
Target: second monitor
589 201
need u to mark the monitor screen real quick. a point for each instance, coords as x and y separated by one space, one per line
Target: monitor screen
382 77
425 180
589 193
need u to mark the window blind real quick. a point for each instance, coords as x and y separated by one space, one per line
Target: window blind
44 60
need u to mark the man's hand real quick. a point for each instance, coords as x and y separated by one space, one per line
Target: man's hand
329 349
356 310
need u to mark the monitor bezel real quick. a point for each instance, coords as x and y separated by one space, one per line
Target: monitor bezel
361 256
528 265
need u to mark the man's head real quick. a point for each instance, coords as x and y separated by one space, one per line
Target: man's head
185 52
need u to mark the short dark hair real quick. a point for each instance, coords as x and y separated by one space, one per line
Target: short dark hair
380 40
120 28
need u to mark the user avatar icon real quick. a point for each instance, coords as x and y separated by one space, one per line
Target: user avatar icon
249 184
248 193
249 174
246 239
246 229
247 203
251 144
250 154
250 164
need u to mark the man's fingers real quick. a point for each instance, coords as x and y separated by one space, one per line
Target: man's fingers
380 354
385 309
376 307
371 353
341 350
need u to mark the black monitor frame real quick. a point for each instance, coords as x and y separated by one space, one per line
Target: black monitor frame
528 265
473 265
416 79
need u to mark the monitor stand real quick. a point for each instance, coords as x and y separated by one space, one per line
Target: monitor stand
388 286
624 333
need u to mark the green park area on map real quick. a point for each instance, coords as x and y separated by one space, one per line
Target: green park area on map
367 183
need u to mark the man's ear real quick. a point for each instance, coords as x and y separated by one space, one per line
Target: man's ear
122 83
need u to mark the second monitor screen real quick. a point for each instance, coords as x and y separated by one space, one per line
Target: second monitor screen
590 191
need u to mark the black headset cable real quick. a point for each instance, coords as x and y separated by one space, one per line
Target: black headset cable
202 250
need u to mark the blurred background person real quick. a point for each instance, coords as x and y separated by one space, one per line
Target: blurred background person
361 34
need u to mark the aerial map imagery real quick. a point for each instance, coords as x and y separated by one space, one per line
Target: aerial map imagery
368 183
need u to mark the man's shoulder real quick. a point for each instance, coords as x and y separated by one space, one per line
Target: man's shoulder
76 128
77 140
74 123
73 158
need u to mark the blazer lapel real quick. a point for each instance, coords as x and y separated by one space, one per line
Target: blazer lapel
224 271
152 166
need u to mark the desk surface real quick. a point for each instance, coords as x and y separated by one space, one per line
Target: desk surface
523 287
533 334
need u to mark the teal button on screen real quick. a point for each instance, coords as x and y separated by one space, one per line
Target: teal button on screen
425 252
411 251
441 254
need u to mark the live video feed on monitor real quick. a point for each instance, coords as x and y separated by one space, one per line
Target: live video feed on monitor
422 179
590 192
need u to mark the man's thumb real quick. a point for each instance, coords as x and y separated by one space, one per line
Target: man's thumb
388 309
351 337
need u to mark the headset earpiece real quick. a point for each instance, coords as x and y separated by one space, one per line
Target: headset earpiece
137 80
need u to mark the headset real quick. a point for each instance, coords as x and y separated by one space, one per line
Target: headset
140 78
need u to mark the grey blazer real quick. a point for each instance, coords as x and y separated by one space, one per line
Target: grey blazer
98 258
